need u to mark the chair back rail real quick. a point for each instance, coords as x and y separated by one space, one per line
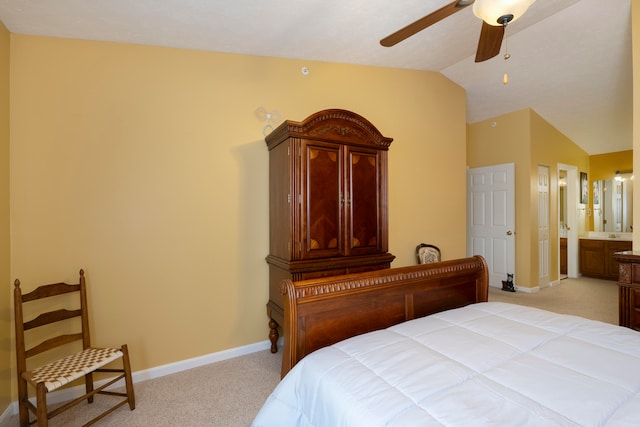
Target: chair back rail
51 290
52 343
51 317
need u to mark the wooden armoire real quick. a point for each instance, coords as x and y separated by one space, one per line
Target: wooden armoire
327 202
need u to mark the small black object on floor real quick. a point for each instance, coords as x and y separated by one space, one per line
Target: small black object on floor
507 285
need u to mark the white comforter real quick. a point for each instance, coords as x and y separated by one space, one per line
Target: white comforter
486 364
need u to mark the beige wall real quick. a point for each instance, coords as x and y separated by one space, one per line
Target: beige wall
6 349
527 140
147 167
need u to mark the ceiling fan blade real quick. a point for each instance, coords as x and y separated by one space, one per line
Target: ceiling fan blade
424 22
490 41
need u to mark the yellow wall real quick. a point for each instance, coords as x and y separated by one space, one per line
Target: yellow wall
604 166
6 350
548 148
147 167
506 139
527 140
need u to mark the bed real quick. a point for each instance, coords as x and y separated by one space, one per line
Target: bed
445 356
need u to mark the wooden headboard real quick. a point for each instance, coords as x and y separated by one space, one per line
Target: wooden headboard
321 312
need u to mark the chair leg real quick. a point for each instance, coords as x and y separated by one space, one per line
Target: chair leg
127 377
41 399
88 385
23 395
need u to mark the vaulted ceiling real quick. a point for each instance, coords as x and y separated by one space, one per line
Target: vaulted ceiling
570 59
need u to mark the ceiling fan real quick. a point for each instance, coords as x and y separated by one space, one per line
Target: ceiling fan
495 15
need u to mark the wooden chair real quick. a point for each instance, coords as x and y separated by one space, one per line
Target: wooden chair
67 335
427 253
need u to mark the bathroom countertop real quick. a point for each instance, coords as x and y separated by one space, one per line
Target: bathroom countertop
603 235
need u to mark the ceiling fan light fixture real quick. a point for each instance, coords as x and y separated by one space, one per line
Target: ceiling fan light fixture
493 12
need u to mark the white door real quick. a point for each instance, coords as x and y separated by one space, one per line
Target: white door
491 219
573 218
543 226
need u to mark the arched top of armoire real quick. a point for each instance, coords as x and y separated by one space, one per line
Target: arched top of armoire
337 125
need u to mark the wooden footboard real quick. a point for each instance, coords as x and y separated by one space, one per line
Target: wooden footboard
321 312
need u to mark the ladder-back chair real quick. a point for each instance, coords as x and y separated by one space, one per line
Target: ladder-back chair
427 253
73 364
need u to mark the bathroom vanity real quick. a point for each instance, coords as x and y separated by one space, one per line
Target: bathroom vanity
596 254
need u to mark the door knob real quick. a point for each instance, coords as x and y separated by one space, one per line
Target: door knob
509 233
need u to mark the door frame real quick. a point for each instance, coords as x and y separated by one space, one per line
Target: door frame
572 219
544 220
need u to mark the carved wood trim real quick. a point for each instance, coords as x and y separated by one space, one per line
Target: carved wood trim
624 273
372 280
323 264
342 125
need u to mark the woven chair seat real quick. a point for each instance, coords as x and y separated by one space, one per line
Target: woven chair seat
63 371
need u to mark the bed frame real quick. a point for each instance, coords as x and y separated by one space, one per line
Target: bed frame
321 312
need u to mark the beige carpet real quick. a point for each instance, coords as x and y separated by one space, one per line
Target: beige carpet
223 394
591 298
230 393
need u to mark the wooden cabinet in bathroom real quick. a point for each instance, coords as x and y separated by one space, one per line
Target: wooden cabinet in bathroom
563 255
596 257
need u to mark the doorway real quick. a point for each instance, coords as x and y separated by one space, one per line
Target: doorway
543 226
567 221
491 218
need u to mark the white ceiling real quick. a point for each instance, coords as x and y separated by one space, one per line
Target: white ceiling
570 59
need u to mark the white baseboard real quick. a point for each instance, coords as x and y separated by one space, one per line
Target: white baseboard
147 374
183 365
520 289
528 290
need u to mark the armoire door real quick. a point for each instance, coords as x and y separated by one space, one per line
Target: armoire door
321 200
363 210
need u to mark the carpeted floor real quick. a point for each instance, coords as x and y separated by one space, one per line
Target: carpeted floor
230 393
223 394
591 298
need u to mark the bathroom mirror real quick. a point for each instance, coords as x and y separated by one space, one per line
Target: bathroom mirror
613 204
